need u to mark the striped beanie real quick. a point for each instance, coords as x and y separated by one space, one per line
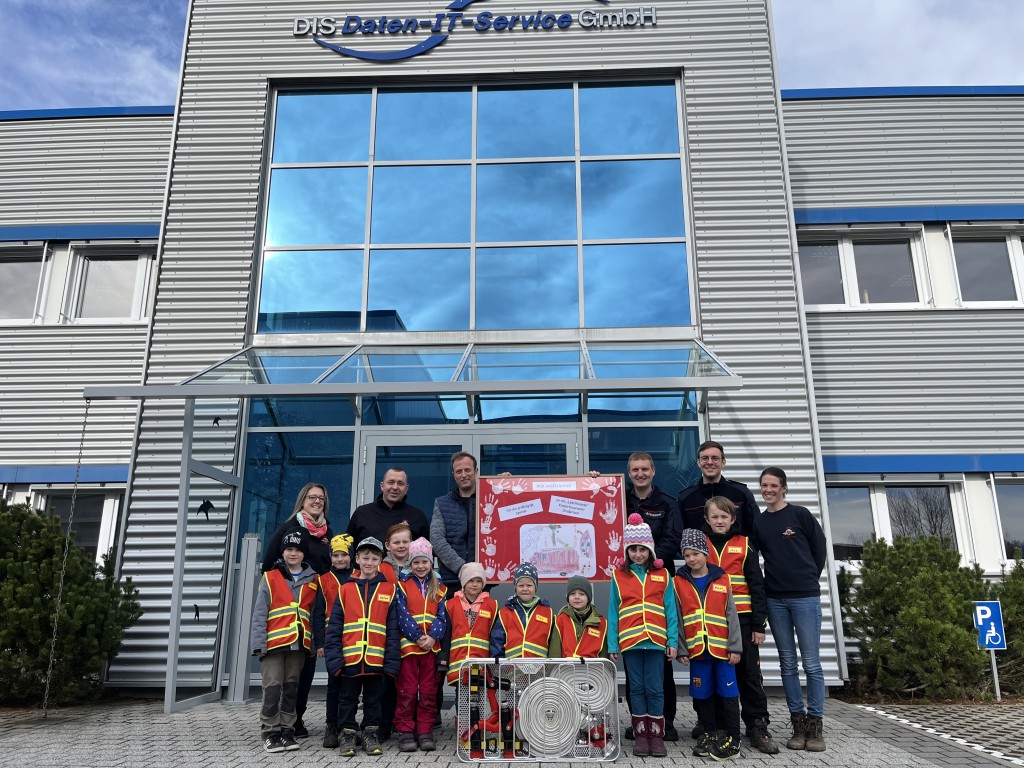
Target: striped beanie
695 540
421 548
638 534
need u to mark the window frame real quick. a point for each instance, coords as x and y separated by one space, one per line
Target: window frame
846 241
79 255
114 493
995 479
26 251
1014 252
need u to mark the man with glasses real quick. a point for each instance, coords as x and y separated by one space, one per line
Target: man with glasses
711 461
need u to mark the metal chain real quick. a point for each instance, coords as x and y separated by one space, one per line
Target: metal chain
64 561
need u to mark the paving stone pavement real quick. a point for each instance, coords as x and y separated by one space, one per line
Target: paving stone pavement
133 733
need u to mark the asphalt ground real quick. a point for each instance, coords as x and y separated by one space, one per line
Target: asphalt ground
136 732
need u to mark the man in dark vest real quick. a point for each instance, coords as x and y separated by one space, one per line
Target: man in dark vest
453 524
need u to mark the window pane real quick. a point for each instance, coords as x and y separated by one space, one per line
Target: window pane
311 291
322 127
301 412
642 406
849 515
399 280
527 288
109 288
526 201
316 206
88 516
655 272
674 450
531 121
421 204
523 459
415 409
983 267
1010 497
550 409
820 273
19 284
423 125
885 272
632 198
628 119
921 511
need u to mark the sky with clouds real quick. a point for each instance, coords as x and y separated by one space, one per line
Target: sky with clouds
85 53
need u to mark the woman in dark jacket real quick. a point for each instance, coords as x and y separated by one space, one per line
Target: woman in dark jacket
310 519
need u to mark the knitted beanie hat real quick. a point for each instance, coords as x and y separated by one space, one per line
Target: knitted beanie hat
421 548
471 571
294 539
525 571
638 533
580 583
341 543
695 540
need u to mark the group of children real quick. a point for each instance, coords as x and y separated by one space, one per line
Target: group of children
383 619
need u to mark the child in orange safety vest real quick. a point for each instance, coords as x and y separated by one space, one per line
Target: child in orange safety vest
643 627
362 646
580 631
281 635
710 633
330 584
422 620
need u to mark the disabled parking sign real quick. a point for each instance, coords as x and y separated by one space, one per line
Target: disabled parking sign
988 619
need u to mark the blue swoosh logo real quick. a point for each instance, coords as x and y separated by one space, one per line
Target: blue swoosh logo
431 42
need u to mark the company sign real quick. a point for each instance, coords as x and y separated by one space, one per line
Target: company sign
424 33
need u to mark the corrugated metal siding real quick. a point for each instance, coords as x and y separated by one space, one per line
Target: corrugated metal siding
905 151
42 372
928 381
739 217
83 170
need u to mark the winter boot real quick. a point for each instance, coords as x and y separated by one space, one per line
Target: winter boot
642 745
815 741
406 741
656 736
331 736
799 739
761 739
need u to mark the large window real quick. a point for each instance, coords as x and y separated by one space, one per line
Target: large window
985 268
21 278
471 208
93 516
861 271
1010 497
108 283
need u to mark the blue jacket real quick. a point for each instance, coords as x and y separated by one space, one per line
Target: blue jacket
332 644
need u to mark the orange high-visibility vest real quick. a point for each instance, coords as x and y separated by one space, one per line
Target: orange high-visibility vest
364 633
469 642
423 612
705 624
329 586
642 607
387 570
531 641
588 644
731 560
288 620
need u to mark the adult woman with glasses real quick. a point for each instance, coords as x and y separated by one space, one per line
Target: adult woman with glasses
794 549
309 518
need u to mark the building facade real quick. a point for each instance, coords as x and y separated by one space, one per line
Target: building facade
547 237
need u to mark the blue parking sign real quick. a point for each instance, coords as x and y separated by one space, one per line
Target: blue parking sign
988 619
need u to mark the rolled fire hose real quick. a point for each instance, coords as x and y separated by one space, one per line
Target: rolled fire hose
549 717
595 688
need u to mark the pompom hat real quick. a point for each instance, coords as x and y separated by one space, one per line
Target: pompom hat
420 548
638 534
695 540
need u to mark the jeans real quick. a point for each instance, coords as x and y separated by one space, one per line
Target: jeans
799 616
646 670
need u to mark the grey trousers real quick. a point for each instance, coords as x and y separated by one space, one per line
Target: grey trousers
280 671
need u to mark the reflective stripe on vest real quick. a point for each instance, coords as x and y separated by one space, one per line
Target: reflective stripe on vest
731 560
705 625
469 642
364 633
531 641
288 620
641 607
590 642
423 612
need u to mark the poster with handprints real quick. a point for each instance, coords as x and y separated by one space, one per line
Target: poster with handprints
564 525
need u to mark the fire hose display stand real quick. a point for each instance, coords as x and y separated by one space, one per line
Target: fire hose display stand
533 710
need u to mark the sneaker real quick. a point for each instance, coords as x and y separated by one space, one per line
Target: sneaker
799 738
815 741
331 736
726 748
272 742
288 740
761 739
406 742
301 732
703 746
426 742
348 743
671 734
371 742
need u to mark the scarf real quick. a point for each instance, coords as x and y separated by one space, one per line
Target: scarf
319 531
